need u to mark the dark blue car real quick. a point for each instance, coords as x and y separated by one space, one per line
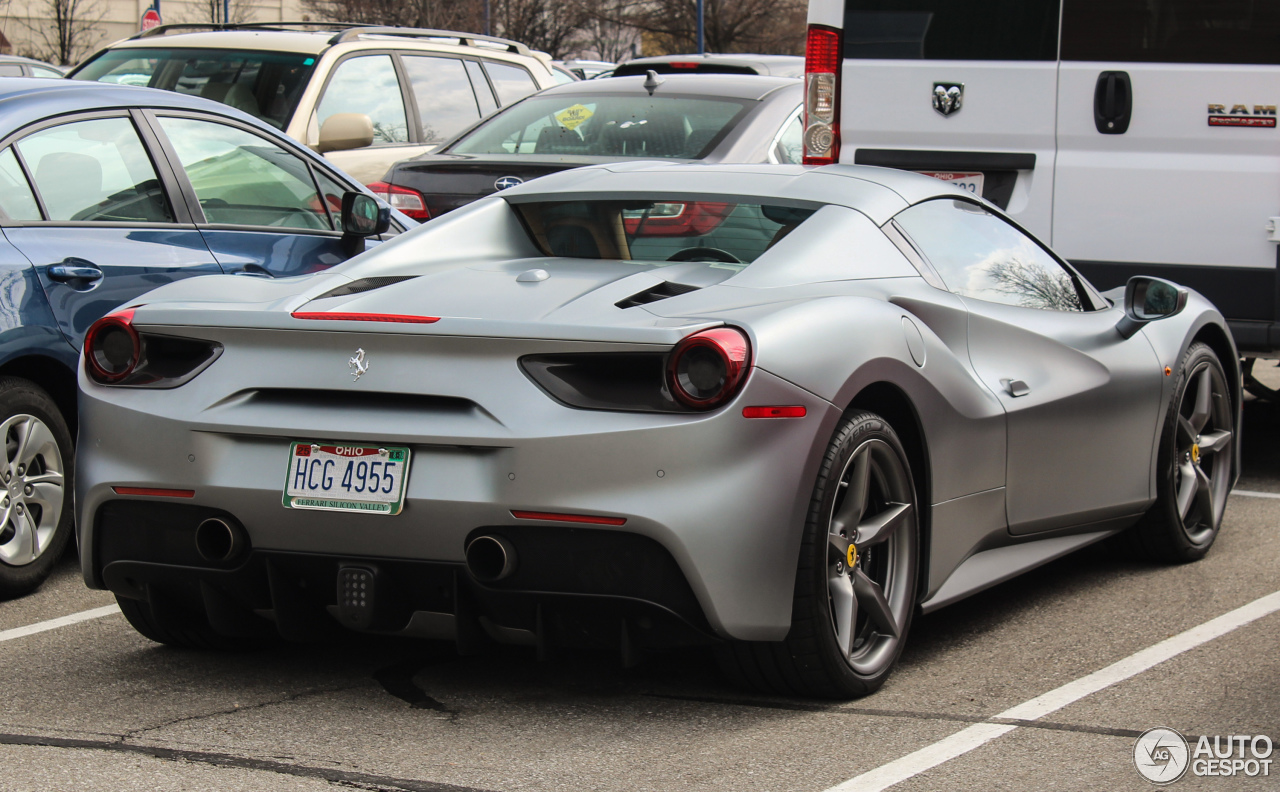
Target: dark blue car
107 192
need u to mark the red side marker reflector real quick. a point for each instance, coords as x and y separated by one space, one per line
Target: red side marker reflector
154 492
797 411
570 518
364 317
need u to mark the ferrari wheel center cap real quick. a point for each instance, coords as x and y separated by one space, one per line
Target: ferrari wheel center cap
1195 453
852 557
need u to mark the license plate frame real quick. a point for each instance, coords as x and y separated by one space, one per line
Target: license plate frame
970 181
345 498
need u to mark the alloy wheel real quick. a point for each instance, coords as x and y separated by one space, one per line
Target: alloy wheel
870 547
1202 467
32 476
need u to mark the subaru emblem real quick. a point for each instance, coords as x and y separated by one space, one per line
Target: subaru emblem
507 181
948 97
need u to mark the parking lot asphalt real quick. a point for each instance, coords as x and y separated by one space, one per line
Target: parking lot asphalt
93 705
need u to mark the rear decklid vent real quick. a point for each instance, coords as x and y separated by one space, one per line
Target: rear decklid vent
654 293
364 285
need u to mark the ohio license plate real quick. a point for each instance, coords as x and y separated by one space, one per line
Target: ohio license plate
355 478
969 182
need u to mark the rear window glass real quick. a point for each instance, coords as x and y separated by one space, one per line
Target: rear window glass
1171 31
951 29
263 84
652 127
725 235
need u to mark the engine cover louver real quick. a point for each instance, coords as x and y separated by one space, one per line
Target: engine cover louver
654 293
364 285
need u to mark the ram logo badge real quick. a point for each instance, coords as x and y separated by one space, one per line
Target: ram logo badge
1239 116
948 97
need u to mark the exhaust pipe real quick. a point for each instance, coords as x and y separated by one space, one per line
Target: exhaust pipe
218 540
491 558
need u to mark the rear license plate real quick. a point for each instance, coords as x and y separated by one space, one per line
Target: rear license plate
354 478
969 182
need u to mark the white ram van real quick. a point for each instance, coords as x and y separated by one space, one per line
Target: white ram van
1138 136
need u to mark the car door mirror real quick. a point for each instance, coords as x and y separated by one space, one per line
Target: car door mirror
363 215
344 131
1147 299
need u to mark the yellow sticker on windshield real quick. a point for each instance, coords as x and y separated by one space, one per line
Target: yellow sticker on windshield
573 117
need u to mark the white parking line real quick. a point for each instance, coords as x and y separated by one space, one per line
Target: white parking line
1256 494
62 621
979 734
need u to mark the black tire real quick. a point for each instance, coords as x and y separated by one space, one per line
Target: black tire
1195 455
33 534
811 660
186 630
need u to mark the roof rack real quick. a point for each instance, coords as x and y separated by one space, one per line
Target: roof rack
462 39
346 31
185 27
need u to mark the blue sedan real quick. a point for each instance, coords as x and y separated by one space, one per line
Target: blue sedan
107 192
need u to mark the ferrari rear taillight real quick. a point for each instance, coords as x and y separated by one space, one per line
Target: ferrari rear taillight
410 202
117 353
706 369
822 96
112 348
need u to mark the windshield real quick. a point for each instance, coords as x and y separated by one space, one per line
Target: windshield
606 126
263 84
728 235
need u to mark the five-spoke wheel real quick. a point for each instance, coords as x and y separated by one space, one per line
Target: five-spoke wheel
1194 464
870 548
856 581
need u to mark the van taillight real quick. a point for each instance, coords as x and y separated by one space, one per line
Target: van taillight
822 96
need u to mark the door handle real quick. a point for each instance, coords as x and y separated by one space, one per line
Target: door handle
1015 387
82 270
1113 102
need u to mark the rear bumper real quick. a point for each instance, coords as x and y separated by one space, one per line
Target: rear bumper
571 587
722 496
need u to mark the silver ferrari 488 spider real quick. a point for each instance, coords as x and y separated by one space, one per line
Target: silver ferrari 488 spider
776 409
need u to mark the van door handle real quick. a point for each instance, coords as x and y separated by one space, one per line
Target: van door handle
1113 102
74 269
1015 387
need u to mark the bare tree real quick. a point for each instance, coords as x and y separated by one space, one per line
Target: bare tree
464 15
603 31
766 26
63 31
212 11
1034 286
548 25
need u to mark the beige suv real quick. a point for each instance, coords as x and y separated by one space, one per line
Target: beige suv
365 97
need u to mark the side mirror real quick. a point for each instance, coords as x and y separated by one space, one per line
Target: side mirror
344 131
1147 299
362 216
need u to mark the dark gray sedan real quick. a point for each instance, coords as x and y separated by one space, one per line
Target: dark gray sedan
709 118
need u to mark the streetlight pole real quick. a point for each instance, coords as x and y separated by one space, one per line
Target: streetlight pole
701 29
